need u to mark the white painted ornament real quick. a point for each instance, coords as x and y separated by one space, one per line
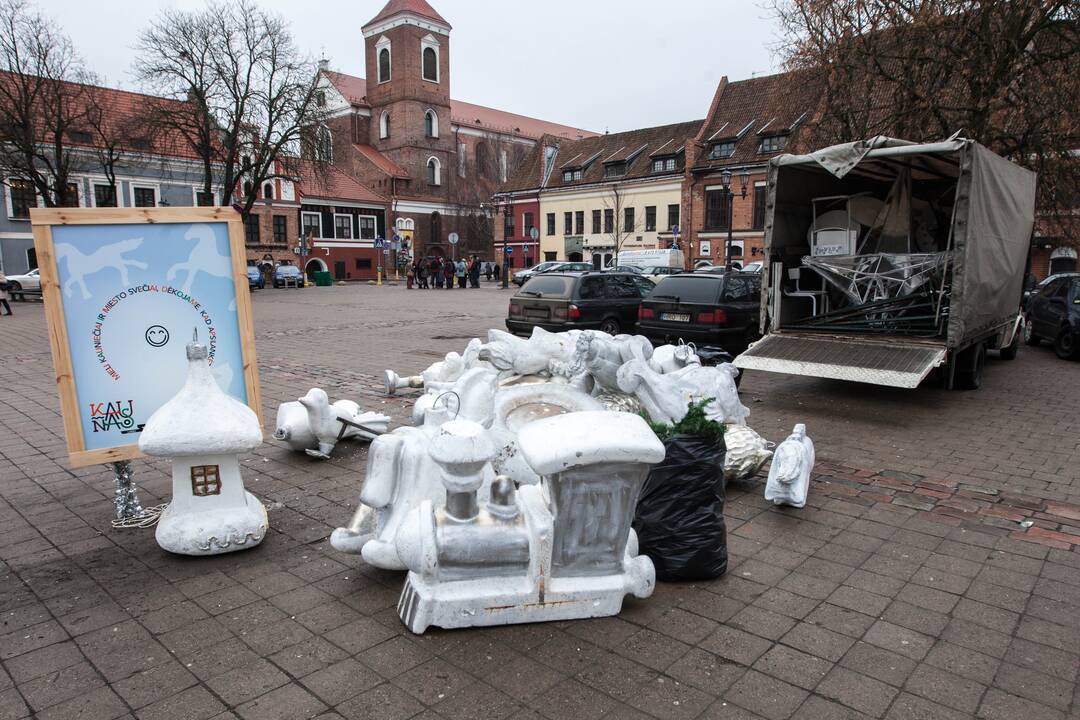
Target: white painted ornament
203 430
789 476
745 452
559 550
666 396
313 425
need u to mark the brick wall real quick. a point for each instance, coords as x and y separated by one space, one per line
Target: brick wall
266 244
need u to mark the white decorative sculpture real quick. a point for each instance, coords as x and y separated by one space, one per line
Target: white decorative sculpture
510 354
745 452
556 551
669 358
666 396
203 430
315 426
789 476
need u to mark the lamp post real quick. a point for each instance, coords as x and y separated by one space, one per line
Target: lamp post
508 211
725 182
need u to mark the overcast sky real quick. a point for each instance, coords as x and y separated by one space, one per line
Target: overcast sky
596 64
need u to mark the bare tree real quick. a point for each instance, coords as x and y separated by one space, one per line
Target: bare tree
1002 73
43 99
253 96
619 230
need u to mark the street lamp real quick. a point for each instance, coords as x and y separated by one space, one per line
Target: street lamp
508 211
725 182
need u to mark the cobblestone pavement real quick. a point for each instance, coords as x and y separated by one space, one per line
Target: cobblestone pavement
907 587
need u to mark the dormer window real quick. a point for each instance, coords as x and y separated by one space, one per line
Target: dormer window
571 175
429 58
382 55
668 164
615 169
772 143
722 150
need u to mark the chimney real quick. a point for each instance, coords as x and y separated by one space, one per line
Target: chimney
324 64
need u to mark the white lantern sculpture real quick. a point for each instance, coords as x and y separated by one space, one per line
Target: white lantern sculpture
203 430
789 476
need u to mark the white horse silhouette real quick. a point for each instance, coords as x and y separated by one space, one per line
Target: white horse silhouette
204 258
80 265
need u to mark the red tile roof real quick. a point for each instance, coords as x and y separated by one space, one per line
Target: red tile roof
416 7
320 181
382 162
354 89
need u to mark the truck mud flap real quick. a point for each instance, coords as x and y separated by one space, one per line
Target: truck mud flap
879 361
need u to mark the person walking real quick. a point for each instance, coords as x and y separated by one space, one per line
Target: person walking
410 275
497 268
4 293
487 271
423 274
449 271
440 273
474 272
460 270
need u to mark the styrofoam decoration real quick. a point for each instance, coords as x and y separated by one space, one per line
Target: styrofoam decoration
555 551
746 452
667 396
669 358
313 425
789 476
203 430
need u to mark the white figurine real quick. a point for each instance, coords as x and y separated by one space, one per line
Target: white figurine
669 358
745 452
666 397
789 476
315 426
203 430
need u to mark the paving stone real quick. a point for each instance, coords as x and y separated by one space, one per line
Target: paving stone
964 662
878 663
736 645
793 666
998 705
706 671
945 688
818 641
247 682
289 702
912 707
157 683
569 699
767 696
1035 686
99 704
899 639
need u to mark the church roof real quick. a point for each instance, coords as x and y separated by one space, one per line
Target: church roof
322 181
201 419
465 114
414 7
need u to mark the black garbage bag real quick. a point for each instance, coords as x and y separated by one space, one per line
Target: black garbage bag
711 355
680 515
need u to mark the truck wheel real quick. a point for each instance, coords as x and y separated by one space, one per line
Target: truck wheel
969 373
1029 336
1065 346
1009 353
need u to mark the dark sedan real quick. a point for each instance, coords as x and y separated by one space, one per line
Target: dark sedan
1054 315
703 308
558 301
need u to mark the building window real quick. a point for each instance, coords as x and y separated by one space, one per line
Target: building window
251 229
550 256
281 233
70 196
657 165
577 174
628 219
595 221
551 223
462 159
436 227
650 218
508 226
144 196
320 98
268 191
579 222
568 223
367 227
716 210
670 164
431 124
527 224
431 64
722 150
483 166
23 197
363 263
384 125
434 171
324 144
759 207
567 176
105 196
205 480
311 223
343 227
382 49
503 165
80 136
609 220
204 199
772 143
615 169
672 216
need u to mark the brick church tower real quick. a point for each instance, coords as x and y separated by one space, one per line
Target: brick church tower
407 57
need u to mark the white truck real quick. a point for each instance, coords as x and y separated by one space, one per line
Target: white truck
671 258
887 259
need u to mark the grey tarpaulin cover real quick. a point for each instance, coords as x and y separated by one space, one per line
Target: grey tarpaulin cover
991 224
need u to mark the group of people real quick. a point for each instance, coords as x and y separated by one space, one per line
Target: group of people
440 272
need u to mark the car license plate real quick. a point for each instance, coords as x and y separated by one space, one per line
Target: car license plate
675 317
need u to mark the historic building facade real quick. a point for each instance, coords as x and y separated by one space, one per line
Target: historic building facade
436 160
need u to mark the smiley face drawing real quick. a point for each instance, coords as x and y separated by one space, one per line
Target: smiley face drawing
157 336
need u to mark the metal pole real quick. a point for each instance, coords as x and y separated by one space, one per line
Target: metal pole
127 501
730 223
505 267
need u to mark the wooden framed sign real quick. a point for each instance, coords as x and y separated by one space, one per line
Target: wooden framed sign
124 291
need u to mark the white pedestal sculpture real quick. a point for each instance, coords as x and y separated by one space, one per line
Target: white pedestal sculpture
203 430
789 476
313 425
555 551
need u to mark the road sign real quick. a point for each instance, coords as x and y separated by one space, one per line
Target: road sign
534 233
396 238
675 230
380 243
508 250
452 239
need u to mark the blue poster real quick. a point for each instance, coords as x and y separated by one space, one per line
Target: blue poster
134 296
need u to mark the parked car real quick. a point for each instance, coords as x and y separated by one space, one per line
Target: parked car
286 275
255 277
754 267
623 268
703 308
656 273
570 267
1028 294
1054 315
560 301
522 276
29 281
